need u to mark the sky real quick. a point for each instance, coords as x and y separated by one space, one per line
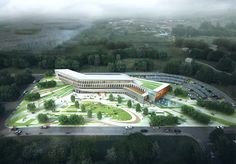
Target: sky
109 8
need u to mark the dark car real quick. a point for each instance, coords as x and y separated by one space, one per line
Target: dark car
14 129
144 130
177 131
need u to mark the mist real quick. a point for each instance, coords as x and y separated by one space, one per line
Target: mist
113 8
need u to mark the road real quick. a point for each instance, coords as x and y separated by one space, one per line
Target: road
208 65
200 134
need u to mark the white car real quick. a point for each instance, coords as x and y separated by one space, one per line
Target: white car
18 132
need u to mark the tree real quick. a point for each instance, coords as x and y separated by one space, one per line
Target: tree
83 109
172 67
111 155
111 98
49 73
163 120
32 151
50 105
138 108
76 104
31 107
180 92
2 110
129 104
63 119
32 96
206 74
46 84
198 116
89 114
23 78
42 118
72 98
75 119
99 115
145 111
215 134
119 99
9 93
226 64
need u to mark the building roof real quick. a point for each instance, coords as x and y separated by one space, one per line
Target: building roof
93 76
161 87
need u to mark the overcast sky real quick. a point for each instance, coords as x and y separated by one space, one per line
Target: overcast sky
102 8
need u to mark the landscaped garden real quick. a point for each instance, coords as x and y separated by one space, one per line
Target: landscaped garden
113 112
50 101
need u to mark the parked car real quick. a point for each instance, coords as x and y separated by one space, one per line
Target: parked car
177 131
144 130
25 92
44 127
18 132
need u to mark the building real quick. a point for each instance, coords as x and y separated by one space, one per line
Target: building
111 83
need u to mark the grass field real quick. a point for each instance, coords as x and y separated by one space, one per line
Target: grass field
149 84
113 112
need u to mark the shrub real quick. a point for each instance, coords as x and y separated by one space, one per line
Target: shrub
32 96
163 120
198 116
180 92
42 118
138 108
31 107
76 104
89 113
47 84
99 115
217 106
49 105
129 103
145 111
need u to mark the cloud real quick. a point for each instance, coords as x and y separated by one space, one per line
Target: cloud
102 8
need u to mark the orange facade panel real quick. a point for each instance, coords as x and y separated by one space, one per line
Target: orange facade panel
162 92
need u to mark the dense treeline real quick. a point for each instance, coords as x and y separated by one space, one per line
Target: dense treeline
47 84
113 53
224 54
10 84
223 107
198 116
158 120
224 146
200 72
133 149
205 29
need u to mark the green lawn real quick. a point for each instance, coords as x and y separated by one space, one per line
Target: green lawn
114 112
149 84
